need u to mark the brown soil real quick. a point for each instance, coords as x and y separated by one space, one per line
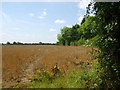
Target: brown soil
20 62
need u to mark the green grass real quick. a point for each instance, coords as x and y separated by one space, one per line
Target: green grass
87 78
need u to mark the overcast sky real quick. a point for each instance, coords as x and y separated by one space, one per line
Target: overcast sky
38 21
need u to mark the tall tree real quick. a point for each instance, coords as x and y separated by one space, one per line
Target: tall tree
74 33
66 34
61 39
88 28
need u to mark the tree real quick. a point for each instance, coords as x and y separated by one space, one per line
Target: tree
40 43
8 43
14 43
83 20
61 39
74 33
108 20
66 34
88 29
19 43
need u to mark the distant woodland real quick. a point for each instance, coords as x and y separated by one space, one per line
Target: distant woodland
20 43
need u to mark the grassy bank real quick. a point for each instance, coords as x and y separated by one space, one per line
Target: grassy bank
86 78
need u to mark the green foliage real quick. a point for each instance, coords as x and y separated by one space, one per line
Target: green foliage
87 78
66 34
87 29
102 31
14 43
8 43
61 39
92 41
77 35
108 21
20 43
69 36
74 43
81 41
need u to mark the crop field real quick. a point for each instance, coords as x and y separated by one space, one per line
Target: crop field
21 62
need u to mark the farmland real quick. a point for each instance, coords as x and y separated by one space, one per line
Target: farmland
85 55
20 62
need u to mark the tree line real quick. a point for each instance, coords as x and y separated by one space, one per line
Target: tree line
20 43
101 30
79 34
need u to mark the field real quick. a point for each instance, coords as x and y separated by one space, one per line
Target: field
20 62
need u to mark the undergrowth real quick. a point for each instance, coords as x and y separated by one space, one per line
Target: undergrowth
87 78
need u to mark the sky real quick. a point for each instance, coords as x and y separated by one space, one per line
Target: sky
38 21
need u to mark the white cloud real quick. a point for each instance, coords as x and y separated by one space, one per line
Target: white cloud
41 17
52 29
83 4
31 14
43 14
59 21
80 19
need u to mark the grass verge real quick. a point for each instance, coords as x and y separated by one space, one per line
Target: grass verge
87 78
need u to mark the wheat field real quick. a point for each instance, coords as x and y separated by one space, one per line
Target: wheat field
20 62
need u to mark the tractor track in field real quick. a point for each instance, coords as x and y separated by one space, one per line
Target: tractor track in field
29 70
